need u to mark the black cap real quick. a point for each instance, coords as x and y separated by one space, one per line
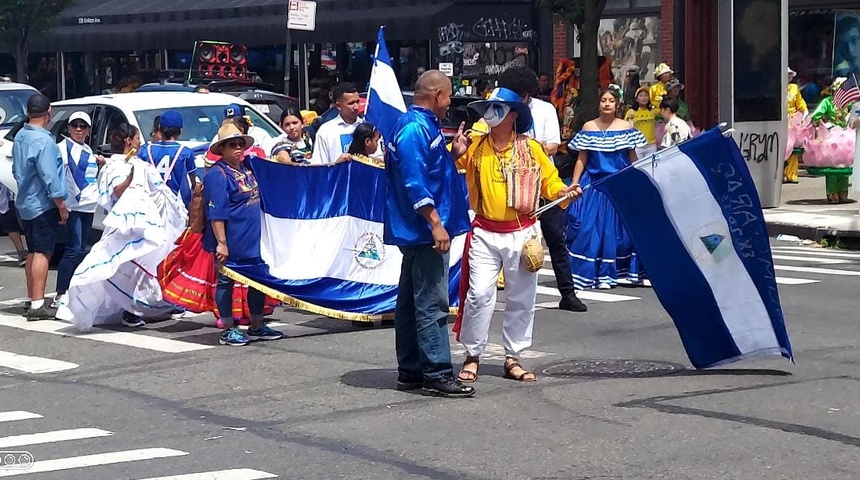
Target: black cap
38 105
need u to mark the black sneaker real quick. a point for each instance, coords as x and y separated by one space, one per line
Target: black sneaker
405 383
572 304
45 312
447 386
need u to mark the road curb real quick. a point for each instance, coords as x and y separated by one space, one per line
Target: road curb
850 238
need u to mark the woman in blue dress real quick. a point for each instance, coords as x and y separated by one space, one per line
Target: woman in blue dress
601 252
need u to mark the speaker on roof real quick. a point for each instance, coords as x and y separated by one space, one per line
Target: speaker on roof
219 61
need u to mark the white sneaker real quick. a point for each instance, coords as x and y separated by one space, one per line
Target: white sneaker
64 313
604 286
60 300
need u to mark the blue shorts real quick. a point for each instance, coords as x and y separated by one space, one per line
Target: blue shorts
44 232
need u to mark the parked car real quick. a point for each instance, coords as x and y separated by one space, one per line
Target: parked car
260 95
13 111
201 115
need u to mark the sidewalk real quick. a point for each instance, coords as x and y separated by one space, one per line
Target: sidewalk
806 213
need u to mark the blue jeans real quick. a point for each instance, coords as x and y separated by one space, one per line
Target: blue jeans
224 301
77 232
421 315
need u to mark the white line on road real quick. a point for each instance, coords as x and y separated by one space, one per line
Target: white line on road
17 415
147 342
68 463
810 259
26 363
51 437
236 474
794 281
823 271
816 252
587 295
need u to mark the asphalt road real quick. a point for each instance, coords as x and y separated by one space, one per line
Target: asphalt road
616 398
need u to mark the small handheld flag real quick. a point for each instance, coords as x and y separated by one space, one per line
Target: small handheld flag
847 93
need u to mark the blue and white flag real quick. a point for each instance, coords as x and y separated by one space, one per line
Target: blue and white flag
384 100
322 241
697 224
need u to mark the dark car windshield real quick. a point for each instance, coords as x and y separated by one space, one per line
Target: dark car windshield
201 123
13 106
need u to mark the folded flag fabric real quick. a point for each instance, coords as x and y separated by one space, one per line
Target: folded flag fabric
321 244
384 100
696 221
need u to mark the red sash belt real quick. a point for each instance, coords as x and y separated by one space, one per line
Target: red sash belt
495 226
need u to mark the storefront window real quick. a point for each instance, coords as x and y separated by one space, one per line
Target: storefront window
759 85
810 52
632 45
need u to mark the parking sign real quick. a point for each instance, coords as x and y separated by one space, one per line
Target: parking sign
302 15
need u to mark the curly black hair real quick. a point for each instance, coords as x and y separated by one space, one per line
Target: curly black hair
522 80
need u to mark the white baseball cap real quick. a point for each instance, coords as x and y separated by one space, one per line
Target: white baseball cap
81 116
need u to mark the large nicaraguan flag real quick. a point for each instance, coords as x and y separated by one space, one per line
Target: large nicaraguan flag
696 220
322 241
384 100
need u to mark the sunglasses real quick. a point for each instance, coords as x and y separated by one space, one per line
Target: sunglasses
235 144
79 125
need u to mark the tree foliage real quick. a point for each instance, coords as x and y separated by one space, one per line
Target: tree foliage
21 19
584 15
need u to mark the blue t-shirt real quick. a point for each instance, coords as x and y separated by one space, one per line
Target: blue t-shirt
234 197
162 155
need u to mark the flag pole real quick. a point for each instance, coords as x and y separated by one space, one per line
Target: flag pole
855 174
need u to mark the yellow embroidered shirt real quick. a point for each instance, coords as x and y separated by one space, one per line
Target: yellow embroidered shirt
644 120
487 186
796 103
657 91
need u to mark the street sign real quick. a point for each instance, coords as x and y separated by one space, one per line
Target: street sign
302 15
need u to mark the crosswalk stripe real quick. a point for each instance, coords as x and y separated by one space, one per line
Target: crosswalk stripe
69 463
147 342
51 437
588 295
16 415
823 271
28 364
235 474
816 252
794 281
810 259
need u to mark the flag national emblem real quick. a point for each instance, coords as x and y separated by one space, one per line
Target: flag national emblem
712 241
725 304
847 93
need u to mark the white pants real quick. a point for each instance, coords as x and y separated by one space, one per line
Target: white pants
489 253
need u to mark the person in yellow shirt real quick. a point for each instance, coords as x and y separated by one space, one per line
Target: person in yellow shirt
796 104
663 73
643 117
506 173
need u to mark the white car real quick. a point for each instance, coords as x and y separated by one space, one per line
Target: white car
201 117
13 110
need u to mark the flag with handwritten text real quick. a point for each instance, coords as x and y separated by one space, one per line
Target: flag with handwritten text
696 221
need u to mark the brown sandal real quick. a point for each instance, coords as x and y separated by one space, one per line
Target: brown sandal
470 375
509 367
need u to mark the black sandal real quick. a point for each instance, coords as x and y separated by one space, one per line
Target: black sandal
509 367
471 376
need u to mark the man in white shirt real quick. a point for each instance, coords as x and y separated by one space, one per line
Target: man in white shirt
547 131
335 136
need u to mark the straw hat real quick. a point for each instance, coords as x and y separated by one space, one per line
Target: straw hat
228 132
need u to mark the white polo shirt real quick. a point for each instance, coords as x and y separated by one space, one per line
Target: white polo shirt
546 126
333 140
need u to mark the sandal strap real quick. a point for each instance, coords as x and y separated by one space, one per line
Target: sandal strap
470 360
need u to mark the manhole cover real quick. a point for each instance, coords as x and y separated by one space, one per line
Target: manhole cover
612 368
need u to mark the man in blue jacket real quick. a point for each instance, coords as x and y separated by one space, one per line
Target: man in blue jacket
426 206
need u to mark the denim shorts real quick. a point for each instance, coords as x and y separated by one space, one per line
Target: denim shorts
44 232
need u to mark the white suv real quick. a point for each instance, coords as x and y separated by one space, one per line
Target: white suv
13 110
201 117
